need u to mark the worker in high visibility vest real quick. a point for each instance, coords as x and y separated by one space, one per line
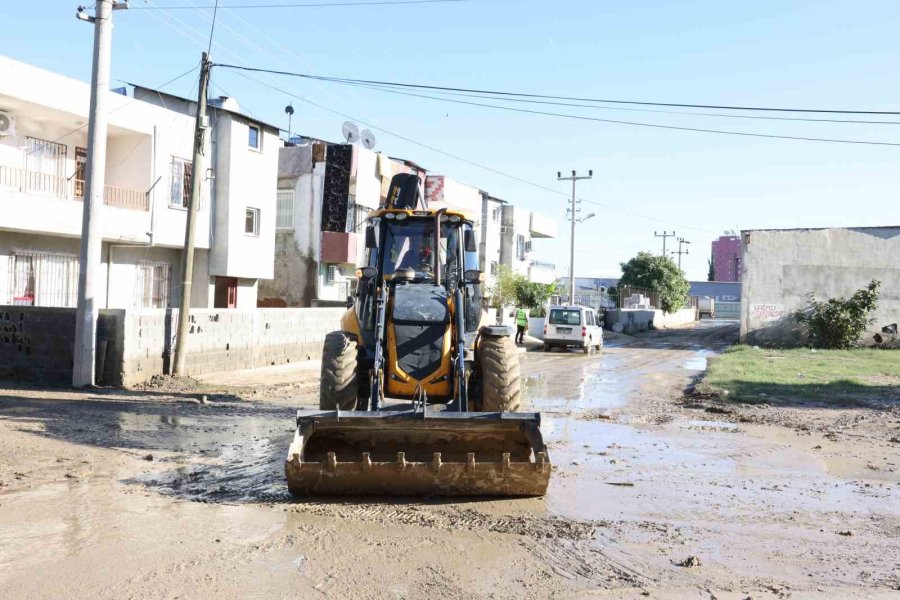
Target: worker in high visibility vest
521 325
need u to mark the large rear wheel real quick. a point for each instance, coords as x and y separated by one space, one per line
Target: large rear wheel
339 384
498 370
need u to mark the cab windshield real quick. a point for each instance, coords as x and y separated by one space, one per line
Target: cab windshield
409 244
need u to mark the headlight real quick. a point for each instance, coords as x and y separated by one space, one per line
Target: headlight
391 216
454 219
401 216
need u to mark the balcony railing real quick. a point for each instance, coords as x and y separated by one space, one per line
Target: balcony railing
61 187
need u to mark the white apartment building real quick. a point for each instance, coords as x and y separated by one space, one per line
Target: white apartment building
148 181
519 229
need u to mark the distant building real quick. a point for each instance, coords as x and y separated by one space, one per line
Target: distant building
782 266
726 257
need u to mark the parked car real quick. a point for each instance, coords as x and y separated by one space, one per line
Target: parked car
573 326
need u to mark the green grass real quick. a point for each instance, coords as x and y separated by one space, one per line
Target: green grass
859 376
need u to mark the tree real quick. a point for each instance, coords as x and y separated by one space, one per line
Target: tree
711 276
503 292
839 322
660 274
534 296
512 288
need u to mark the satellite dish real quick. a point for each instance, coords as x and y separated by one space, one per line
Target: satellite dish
368 139
351 132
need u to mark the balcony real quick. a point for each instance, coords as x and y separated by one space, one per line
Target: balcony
542 227
26 181
542 272
338 247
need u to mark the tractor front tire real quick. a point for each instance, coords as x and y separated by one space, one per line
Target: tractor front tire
339 381
499 370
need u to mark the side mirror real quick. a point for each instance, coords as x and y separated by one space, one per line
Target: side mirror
473 276
371 242
349 301
469 241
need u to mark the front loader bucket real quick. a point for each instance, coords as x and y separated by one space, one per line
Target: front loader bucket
408 453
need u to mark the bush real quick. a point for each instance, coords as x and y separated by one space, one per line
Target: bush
514 289
660 274
839 322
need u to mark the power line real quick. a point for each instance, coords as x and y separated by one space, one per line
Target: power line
641 110
308 5
212 28
639 123
572 98
457 157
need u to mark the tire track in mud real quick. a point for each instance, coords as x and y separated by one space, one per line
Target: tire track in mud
454 518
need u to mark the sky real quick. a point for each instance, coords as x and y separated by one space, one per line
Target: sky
814 55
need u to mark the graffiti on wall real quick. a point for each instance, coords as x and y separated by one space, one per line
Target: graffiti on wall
763 313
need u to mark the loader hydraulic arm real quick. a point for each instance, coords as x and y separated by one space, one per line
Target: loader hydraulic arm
376 377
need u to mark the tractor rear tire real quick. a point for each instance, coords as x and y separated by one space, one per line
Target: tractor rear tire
339 385
499 370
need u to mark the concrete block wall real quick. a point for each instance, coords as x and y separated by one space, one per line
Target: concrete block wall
133 346
780 267
635 320
36 343
225 340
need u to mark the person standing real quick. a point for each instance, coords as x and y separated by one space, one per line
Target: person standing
521 325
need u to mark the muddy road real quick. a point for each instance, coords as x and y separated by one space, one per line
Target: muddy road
160 494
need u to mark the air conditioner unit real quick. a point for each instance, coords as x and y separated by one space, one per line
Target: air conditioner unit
7 124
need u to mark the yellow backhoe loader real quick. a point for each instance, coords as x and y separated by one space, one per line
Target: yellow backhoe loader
418 391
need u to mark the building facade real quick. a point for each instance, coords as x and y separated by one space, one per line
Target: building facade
148 181
519 229
781 267
325 192
726 258
242 171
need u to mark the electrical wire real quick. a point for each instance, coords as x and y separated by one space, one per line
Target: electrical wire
212 28
637 123
307 5
552 97
460 158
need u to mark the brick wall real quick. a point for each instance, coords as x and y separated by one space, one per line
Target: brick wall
36 342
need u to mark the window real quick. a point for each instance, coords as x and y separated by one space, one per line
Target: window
181 178
253 138
152 284
43 279
284 209
496 214
559 316
45 164
251 222
520 247
356 215
80 171
330 273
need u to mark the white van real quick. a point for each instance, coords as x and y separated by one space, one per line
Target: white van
577 326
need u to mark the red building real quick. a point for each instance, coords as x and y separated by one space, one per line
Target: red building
726 256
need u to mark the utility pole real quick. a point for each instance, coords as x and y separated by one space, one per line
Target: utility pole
87 310
572 218
201 126
681 241
664 235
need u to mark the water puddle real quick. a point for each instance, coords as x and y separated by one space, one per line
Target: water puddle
697 362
